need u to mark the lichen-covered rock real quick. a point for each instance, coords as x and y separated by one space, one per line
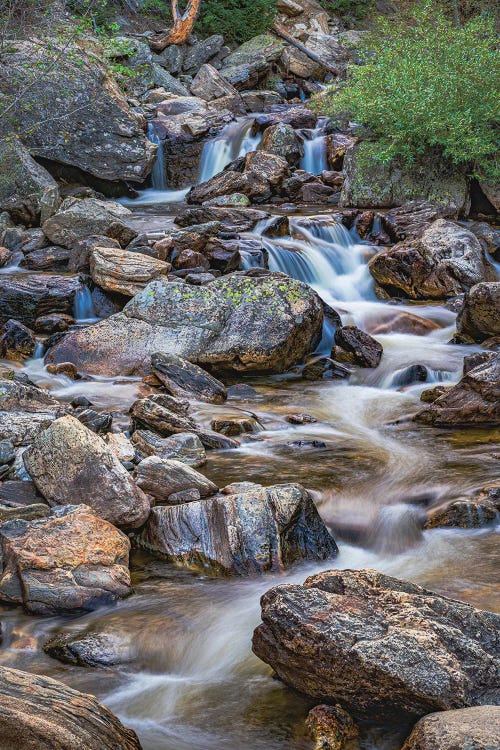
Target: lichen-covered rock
475 728
38 713
183 379
124 272
71 560
444 261
381 647
254 531
70 463
245 322
480 314
78 218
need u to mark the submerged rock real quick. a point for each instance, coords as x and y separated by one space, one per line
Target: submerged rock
71 560
251 532
90 649
383 648
244 322
476 728
69 462
38 712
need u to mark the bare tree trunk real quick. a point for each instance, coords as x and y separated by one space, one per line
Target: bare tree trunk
183 25
283 33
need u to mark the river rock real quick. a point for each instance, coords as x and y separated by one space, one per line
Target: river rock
183 379
27 191
411 219
71 560
38 712
184 446
230 219
467 513
161 478
252 532
124 272
235 425
209 84
404 322
282 140
91 649
250 63
330 727
69 462
22 397
162 414
298 117
444 261
102 136
480 314
475 728
78 218
431 178
16 340
473 402
356 347
249 182
28 296
383 648
245 322
22 427
53 258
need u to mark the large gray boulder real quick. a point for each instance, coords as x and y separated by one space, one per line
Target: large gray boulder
38 713
368 182
70 463
245 323
444 261
251 62
69 561
480 314
476 728
86 120
27 191
78 218
381 647
252 531
209 84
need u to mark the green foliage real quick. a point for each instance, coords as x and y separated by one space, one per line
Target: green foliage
427 84
352 9
236 20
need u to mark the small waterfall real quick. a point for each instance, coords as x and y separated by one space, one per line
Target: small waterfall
158 174
83 306
39 350
234 140
315 158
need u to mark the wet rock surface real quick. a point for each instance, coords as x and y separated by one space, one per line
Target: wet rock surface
477 727
183 379
382 647
163 478
480 314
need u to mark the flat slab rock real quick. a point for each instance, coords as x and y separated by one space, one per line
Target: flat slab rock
476 728
253 531
38 713
381 647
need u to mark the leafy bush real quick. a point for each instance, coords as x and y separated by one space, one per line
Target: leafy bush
350 8
426 83
236 20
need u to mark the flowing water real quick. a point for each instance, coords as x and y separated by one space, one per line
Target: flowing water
315 156
191 681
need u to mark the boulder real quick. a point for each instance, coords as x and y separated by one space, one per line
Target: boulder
102 136
356 347
183 446
25 397
480 314
38 713
52 258
70 561
201 52
231 219
16 341
337 145
27 191
78 218
69 462
444 261
475 728
26 297
245 322
91 649
183 379
473 402
162 414
383 648
228 182
161 478
254 531
22 427
124 272
368 182
411 219
281 140
209 84
298 117
326 46
251 62
467 512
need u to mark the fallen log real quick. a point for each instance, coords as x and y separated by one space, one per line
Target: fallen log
283 33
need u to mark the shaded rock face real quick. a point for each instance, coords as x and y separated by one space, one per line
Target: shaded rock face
24 411
474 401
244 323
69 462
163 478
38 713
480 314
444 261
124 272
250 62
16 340
27 191
383 648
183 379
71 560
252 532
78 218
102 136
27 297
371 183
476 728
356 347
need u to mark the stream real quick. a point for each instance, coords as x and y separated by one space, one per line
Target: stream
191 681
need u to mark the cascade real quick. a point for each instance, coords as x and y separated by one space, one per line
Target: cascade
315 157
234 140
83 306
158 175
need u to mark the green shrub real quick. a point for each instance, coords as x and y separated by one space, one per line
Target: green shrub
426 83
236 20
352 9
